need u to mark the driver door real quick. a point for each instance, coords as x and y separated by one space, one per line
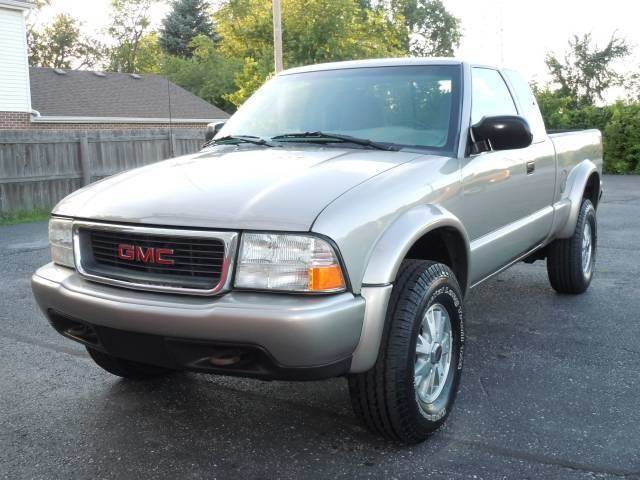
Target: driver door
497 206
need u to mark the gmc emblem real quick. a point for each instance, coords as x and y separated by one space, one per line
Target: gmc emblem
134 253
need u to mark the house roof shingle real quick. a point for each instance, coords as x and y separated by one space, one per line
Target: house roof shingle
81 93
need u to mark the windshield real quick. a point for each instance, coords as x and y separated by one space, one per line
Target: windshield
411 106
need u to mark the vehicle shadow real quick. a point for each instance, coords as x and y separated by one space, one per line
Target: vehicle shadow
198 423
186 424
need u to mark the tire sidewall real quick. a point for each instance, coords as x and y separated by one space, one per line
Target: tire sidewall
564 255
446 293
588 216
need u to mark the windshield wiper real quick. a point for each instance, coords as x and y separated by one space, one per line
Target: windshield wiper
239 139
323 137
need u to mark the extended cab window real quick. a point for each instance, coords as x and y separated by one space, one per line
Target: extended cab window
412 106
489 95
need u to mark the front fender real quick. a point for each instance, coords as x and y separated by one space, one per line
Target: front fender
383 266
402 234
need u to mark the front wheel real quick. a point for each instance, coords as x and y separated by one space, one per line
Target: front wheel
570 261
409 392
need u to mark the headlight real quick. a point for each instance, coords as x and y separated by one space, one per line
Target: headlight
61 241
298 263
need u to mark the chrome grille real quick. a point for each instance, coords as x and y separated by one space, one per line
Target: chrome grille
191 257
189 261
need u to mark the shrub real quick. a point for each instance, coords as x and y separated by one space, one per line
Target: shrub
619 124
622 139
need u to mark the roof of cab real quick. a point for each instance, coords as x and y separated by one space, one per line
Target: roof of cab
377 62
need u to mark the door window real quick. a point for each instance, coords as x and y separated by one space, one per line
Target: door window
489 95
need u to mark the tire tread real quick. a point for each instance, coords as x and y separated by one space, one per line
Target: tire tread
376 401
564 258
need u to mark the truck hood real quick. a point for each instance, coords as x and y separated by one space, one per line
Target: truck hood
240 187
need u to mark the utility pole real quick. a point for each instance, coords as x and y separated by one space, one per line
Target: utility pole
277 35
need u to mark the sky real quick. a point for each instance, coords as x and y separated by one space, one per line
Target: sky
513 33
522 32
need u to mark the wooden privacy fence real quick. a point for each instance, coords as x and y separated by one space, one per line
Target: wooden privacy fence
38 168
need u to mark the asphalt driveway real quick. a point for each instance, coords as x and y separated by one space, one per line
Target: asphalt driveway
551 389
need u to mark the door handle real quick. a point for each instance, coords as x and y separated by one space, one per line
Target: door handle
531 167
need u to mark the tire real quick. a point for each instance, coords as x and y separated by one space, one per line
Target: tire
125 368
386 398
570 262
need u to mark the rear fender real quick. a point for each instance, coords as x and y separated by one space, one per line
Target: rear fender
573 192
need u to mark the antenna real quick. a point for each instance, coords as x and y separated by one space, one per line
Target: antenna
171 150
501 33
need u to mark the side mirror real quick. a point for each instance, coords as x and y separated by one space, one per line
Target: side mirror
504 132
212 130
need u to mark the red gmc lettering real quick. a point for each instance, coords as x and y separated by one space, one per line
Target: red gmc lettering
126 252
145 255
159 256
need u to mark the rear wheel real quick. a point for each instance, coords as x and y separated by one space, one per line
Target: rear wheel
570 261
125 368
410 390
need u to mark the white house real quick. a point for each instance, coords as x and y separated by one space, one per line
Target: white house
48 98
15 96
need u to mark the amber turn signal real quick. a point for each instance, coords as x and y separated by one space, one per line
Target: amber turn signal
324 279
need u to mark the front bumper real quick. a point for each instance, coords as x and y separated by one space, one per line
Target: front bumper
301 336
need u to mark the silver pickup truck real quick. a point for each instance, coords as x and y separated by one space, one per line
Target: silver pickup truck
331 227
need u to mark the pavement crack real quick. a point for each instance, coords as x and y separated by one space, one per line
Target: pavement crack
25 248
485 392
621 201
42 344
545 460
624 249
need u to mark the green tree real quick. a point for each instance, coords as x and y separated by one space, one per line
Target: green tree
248 80
314 31
129 26
61 45
207 73
34 37
187 20
150 56
586 71
633 87
432 31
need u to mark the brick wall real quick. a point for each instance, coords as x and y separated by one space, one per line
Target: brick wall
110 126
22 121
14 120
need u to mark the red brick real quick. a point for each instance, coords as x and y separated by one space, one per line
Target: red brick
21 121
